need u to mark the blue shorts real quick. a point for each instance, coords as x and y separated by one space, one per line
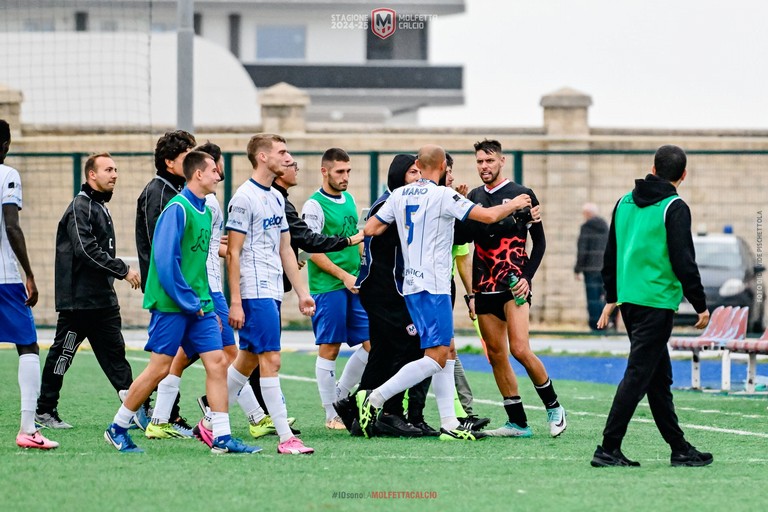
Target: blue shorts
195 334
261 331
339 318
433 317
16 322
222 310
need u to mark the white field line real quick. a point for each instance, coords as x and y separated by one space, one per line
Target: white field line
540 408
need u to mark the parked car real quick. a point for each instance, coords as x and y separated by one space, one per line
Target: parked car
729 273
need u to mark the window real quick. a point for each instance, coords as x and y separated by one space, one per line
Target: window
81 21
287 42
404 44
197 23
39 25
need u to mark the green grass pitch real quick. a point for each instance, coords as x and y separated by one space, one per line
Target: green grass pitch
347 473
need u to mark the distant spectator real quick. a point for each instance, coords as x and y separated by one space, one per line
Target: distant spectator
593 238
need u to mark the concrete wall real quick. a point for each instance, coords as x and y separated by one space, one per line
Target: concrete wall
721 189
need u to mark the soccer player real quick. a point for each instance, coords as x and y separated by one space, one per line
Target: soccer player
168 389
424 213
86 268
170 151
17 299
258 252
178 297
339 317
500 258
649 265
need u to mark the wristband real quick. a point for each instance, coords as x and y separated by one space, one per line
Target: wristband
468 298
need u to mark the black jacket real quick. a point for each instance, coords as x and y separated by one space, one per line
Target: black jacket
161 189
682 255
86 266
304 238
593 237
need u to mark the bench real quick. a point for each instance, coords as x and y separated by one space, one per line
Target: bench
752 348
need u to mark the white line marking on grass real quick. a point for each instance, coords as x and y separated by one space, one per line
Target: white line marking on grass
540 408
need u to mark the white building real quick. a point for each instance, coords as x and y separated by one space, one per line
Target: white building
326 48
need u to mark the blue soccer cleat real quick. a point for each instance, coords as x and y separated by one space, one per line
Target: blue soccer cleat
229 444
118 437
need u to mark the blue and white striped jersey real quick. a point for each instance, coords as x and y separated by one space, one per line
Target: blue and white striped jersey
424 214
259 213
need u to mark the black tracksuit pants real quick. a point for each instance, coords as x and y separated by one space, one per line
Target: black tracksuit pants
649 371
102 327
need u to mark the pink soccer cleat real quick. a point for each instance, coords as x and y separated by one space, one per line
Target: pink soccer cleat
294 446
203 434
36 440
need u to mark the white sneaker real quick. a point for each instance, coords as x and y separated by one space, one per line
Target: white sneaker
556 420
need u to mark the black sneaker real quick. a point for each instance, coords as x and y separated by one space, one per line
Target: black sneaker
346 408
691 457
202 402
604 459
393 425
472 422
355 430
426 430
366 413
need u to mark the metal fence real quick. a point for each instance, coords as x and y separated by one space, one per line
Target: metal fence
724 188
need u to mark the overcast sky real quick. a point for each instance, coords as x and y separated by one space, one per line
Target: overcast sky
646 63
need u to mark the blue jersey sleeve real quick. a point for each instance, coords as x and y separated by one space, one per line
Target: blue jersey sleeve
168 234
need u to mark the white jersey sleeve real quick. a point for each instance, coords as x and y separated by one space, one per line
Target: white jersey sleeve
312 214
11 183
456 204
11 195
386 213
213 264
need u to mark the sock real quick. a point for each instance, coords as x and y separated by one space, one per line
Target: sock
273 397
353 372
515 412
166 395
123 417
220 424
325 372
465 397
547 394
408 376
248 403
29 384
235 382
445 388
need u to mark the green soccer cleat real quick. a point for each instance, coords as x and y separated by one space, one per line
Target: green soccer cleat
162 431
459 434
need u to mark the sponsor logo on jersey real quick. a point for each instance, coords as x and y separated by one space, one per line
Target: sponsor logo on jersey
271 222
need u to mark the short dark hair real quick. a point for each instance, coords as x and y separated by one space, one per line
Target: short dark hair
5 131
261 142
448 160
171 145
210 148
670 162
334 155
489 146
193 161
90 164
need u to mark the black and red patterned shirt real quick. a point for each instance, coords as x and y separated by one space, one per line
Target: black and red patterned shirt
500 247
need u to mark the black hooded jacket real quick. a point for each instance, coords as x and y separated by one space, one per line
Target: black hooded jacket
161 189
381 273
682 255
593 237
302 237
86 266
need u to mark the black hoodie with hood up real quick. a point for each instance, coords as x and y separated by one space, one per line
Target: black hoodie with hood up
682 255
